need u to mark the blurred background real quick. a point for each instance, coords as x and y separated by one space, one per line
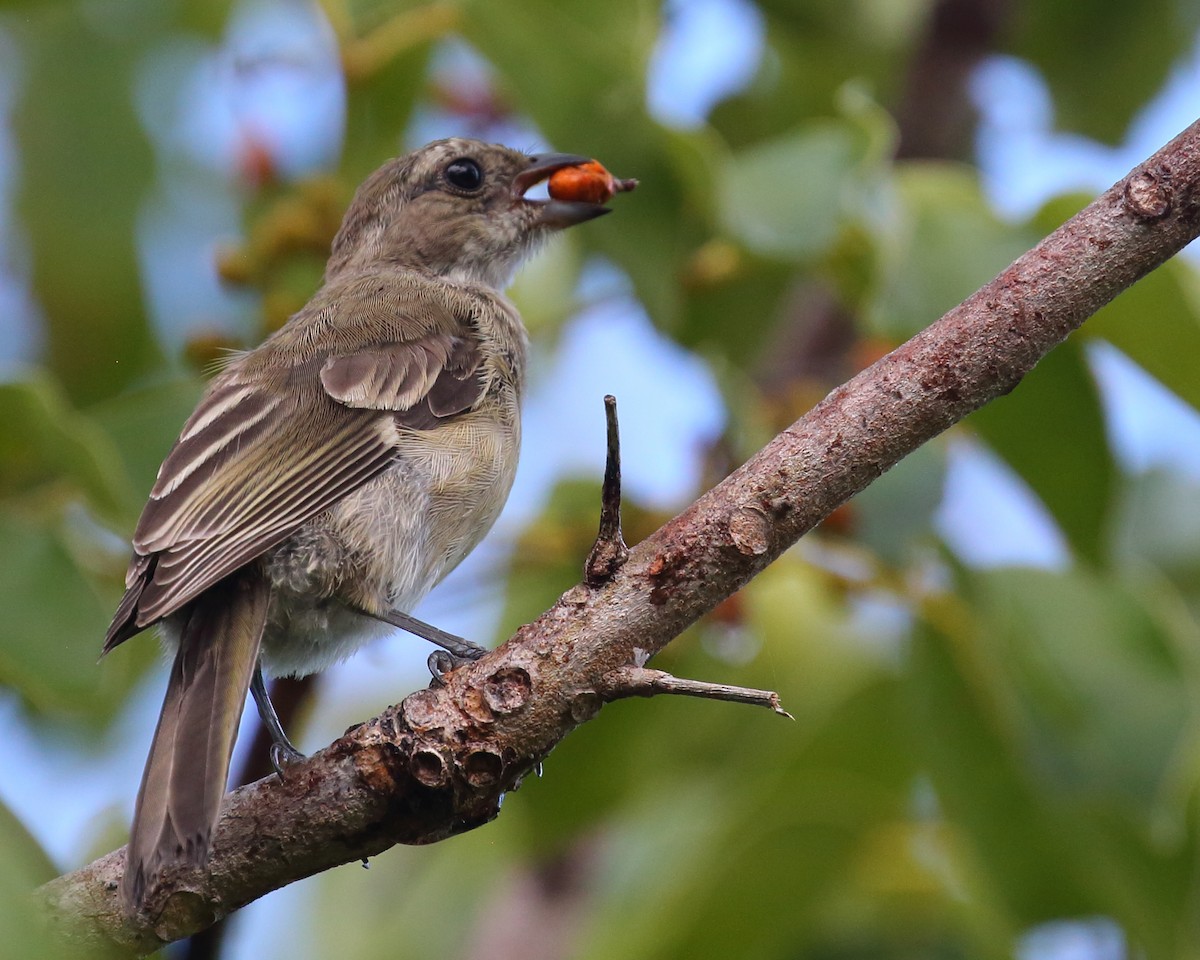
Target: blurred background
992 654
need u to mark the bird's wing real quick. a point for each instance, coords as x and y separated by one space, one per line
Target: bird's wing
263 455
422 382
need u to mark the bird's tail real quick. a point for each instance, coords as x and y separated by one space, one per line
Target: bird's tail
184 780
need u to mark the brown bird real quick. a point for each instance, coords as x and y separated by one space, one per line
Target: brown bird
332 476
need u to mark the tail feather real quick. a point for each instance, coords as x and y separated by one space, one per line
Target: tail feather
184 781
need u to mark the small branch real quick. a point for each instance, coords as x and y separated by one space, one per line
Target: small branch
365 56
644 682
609 552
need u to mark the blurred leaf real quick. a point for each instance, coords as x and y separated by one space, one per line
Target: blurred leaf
741 294
45 442
1103 61
964 736
894 515
1159 525
733 299
143 423
1051 431
607 47
54 621
545 288
206 17
1068 709
811 50
84 168
782 843
768 200
578 69
1099 680
811 647
22 853
25 867
943 243
385 50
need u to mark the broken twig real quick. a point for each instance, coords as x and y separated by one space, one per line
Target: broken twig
609 552
644 682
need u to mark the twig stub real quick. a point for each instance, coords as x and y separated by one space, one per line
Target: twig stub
609 552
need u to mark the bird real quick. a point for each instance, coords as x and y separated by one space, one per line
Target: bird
332 475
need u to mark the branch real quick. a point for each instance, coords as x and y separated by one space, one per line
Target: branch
634 681
438 763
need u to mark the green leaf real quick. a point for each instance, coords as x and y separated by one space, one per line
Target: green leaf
1159 526
46 444
894 515
742 288
1156 323
729 315
815 800
964 737
24 866
578 69
23 857
144 422
1052 711
1051 431
941 244
1098 677
85 166
386 50
767 196
812 50
1102 60
54 621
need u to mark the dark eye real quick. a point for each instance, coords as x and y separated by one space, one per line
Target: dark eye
464 174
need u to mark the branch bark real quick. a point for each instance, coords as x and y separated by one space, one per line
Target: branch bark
438 763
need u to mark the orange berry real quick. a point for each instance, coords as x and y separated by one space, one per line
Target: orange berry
587 183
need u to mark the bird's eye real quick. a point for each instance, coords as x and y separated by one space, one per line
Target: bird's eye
464 174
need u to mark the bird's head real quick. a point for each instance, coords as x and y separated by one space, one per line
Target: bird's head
457 208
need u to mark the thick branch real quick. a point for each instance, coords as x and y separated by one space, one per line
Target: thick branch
438 763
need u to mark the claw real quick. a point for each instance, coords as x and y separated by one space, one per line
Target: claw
440 663
282 755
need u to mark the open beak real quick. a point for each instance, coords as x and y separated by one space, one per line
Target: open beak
556 214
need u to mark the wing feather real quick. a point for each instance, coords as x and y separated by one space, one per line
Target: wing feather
395 376
271 446
233 509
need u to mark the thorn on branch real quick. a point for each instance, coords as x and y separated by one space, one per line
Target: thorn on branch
609 552
644 682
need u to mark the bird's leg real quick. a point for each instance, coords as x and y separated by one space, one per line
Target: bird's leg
282 750
455 650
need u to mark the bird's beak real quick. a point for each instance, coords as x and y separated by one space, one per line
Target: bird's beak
556 214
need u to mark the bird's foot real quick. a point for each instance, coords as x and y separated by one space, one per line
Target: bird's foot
441 662
283 755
